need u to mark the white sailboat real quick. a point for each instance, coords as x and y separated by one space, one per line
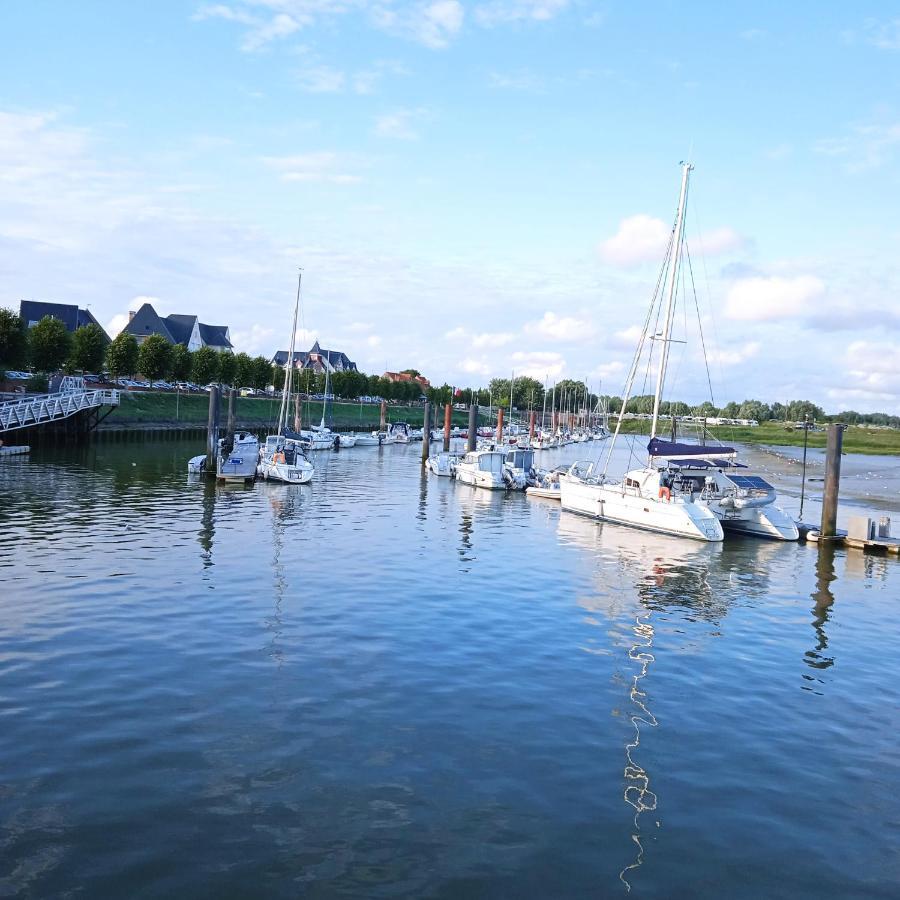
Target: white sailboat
644 497
282 459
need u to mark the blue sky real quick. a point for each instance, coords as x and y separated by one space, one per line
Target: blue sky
471 187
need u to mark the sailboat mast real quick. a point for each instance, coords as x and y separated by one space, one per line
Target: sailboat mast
289 365
670 295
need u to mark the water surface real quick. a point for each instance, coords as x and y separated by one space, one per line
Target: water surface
385 685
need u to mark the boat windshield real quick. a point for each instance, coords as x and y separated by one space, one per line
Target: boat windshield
491 462
520 459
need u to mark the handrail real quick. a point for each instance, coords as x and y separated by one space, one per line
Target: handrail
51 407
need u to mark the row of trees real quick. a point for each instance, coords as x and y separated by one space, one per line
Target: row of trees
49 346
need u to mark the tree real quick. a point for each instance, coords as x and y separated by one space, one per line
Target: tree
243 370
180 363
706 410
229 372
88 348
414 372
755 409
50 344
205 366
277 376
122 356
13 340
154 357
261 373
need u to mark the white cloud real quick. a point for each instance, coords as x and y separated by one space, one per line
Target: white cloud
864 147
400 124
873 371
521 80
561 328
503 11
433 24
734 356
255 340
640 239
320 166
475 367
539 364
483 340
320 79
612 369
774 297
884 35
373 341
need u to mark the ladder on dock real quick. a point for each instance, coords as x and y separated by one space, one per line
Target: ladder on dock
72 398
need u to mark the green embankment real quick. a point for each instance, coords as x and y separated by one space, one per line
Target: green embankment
857 439
162 409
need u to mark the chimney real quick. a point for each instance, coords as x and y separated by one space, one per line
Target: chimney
130 314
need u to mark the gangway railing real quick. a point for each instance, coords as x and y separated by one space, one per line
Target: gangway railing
51 407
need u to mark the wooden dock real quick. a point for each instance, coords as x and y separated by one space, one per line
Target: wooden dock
842 539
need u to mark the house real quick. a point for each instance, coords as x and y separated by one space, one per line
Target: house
396 377
178 329
32 311
317 359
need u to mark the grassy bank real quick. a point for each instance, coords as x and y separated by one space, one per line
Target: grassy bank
857 439
158 408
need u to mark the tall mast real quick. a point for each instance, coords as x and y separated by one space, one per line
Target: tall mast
670 295
289 365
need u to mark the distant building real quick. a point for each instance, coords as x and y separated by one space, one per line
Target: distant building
317 359
421 380
178 329
32 311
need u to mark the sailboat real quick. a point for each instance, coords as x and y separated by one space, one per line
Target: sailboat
645 498
281 459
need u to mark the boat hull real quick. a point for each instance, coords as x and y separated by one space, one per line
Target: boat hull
488 480
608 503
284 472
762 521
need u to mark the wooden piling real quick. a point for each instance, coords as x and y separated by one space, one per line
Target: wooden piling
212 429
828 528
472 438
426 443
297 418
230 427
499 437
448 416
383 424
531 421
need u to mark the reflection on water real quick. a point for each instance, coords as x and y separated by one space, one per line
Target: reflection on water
383 685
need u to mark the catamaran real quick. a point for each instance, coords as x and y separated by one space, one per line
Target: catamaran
693 490
644 498
282 459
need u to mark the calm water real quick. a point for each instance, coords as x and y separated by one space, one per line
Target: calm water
381 685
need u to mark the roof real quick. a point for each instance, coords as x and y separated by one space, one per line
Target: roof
180 327
333 357
216 335
146 322
69 314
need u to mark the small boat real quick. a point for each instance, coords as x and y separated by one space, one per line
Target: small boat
518 469
482 468
15 450
237 457
547 484
442 464
397 433
281 460
366 440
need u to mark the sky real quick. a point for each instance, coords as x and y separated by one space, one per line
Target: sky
471 188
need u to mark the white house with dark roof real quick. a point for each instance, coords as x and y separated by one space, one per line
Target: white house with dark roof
178 329
317 359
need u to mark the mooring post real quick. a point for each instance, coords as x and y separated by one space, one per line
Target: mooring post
383 425
212 429
231 395
828 528
472 437
531 421
297 421
448 416
499 438
426 442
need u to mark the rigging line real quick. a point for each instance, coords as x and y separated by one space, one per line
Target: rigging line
712 398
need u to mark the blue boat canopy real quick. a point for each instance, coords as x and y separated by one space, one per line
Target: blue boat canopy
659 447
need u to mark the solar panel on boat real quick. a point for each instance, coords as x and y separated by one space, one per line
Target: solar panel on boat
751 482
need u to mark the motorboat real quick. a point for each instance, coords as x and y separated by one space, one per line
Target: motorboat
237 457
482 468
743 502
518 469
281 460
646 497
397 433
364 439
547 484
442 464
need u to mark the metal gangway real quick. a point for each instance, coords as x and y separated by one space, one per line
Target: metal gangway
72 397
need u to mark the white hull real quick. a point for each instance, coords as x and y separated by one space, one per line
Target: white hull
611 503
489 480
367 440
272 471
548 493
763 521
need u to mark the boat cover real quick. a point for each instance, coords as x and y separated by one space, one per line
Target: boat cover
659 447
